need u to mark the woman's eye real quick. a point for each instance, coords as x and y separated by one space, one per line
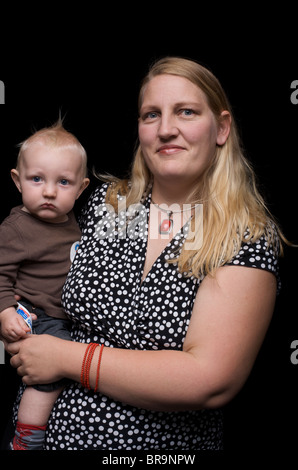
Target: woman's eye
149 115
187 112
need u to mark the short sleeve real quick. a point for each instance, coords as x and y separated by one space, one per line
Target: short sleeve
259 254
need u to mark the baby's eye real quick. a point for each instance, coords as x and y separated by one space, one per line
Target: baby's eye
64 182
36 179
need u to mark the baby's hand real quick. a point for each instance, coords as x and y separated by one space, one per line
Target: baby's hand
12 325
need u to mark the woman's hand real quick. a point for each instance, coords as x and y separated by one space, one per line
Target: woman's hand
37 358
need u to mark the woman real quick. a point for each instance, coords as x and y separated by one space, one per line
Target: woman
169 288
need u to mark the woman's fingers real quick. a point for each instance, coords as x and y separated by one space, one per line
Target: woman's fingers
13 348
15 361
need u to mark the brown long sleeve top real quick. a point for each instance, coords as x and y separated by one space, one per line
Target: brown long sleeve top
35 258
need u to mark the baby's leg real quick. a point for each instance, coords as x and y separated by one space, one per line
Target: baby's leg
33 414
35 407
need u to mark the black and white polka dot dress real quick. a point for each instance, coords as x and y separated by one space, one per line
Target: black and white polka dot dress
107 302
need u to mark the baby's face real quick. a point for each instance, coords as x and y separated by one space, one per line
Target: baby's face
50 180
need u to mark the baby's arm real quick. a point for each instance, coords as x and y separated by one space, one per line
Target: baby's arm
12 325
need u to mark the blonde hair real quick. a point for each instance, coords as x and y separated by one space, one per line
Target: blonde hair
233 208
55 136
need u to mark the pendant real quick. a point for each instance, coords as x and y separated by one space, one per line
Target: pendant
166 226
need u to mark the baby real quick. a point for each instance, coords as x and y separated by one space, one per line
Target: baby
38 241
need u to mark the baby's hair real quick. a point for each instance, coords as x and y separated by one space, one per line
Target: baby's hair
55 136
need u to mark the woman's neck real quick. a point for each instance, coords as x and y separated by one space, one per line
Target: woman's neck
170 193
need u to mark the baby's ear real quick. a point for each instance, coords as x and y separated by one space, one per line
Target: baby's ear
83 186
16 178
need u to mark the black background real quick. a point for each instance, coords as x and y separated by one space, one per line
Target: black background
89 66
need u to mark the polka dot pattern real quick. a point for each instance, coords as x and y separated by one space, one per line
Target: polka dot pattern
259 255
107 302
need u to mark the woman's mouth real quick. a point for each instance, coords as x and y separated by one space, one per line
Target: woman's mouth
169 149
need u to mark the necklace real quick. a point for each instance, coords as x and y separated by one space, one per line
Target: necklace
166 225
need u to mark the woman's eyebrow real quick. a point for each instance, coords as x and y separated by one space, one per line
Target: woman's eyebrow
178 104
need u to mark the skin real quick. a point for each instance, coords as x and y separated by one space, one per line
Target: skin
178 134
50 180
232 311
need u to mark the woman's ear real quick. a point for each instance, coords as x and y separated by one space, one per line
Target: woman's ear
224 126
16 178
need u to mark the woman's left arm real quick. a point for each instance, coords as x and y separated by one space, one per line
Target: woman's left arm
231 314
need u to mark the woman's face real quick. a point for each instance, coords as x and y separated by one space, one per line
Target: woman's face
178 132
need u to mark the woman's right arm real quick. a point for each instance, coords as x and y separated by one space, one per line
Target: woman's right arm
230 318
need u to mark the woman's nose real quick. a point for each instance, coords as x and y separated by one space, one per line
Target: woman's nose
167 127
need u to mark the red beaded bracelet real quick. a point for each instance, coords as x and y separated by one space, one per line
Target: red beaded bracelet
86 364
98 367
